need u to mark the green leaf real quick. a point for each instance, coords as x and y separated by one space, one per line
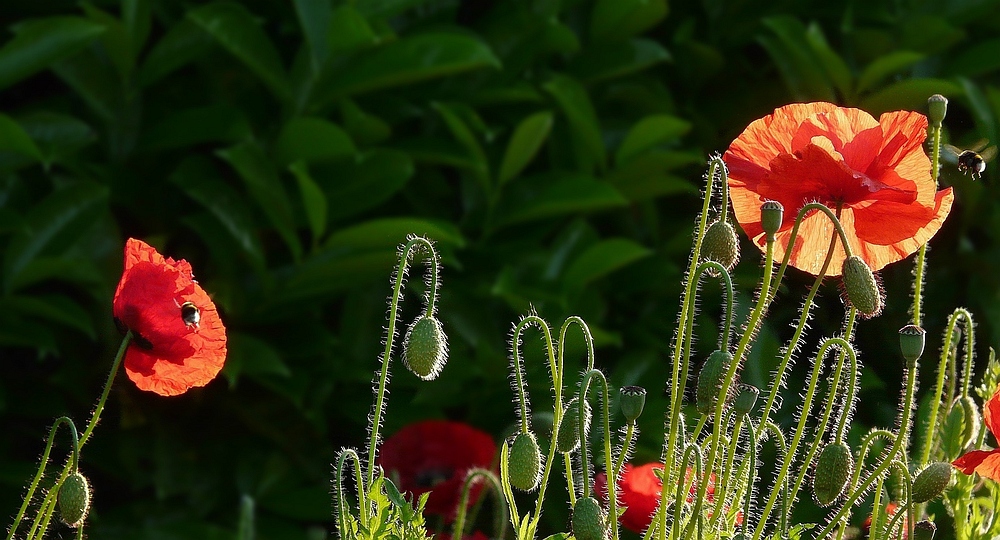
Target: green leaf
883 66
909 94
561 194
248 355
217 123
980 59
39 43
56 268
527 139
601 259
363 127
650 132
355 186
618 59
137 16
385 233
585 130
183 43
14 139
309 504
264 186
56 308
619 19
349 30
239 32
115 38
831 62
312 140
95 80
406 61
56 135
792 53
313 199
314 18
468 140
54 225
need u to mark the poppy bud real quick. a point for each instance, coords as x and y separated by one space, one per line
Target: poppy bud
973 420
937 108
911 342
568 434
833 468
771 215
589 522
425 348
924 530
710 380
721 245
931 482
74 499
632 400
525 462
862 290
746 399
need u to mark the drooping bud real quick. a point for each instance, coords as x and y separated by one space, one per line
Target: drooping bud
771 215
862 290
924 530
632 400
721 244
911 342
568 434
425 348
746 399
589 521
710 380
525 462
833 468
74 499
931 482
973 420
937 108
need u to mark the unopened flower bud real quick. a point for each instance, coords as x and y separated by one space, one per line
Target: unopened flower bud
425 348
746 399
74 500
771 215
833 468
911 342
721 245
862 290
632 399
710 380
924 530
973 420
937 108
931 482
568 434
589 521
525 462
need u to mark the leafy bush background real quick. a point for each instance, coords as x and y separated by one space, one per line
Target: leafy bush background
552 149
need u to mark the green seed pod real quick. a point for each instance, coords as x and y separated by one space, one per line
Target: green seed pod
746 399
937 108
771 215
931 482
632 400
862 290
833 468
74 500
568 434
525 462
911 342
924 530
589 521
721 245
425 348
710 380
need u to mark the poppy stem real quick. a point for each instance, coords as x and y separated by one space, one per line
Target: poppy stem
608 457
920 265
477 475
41 467
341 509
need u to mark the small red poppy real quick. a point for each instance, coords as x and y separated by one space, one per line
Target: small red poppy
985 462
435 456
179 341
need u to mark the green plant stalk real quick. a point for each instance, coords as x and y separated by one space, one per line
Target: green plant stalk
921 263
41 467
475 476
608 456
684 487
341 508
907 482
938 395
626 444
727 471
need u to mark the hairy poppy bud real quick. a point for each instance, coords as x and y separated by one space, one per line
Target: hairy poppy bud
862 290
833 467
924 530
632 400
746 399
525 462
931 482
568 434
911 342
771 215
425 348
589 522
973 420
74 499
721 245
937 108
710 380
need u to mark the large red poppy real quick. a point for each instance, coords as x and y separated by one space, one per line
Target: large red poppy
435 456
985 462
874 173
179 341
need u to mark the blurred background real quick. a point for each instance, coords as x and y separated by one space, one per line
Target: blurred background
554 150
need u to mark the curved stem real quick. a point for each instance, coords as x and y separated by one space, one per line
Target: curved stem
943 367
684 487
475 476
585 449
41 467
341 505
794 236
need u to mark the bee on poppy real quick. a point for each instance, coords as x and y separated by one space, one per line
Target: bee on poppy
972 159
190 314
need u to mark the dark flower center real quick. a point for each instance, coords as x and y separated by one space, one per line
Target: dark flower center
429 478
140 341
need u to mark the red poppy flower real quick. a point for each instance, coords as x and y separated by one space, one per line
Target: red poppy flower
890 510
178 341
985 462
875 174
435 456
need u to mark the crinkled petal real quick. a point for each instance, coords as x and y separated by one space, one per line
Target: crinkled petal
987 464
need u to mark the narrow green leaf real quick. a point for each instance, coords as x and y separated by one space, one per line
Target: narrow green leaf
468 140
313 199
314 18
792 53
585 130
137 16
239 32
617 59
561 194
56 268
56 135
14 139
909 94
884 66
96 81
601 259
527 139
217 123
39 43
312 140
248 355
55 308
648 133
363 127
349 30
354 186
612 20
831 62
980 59
183 43
115 38
384 233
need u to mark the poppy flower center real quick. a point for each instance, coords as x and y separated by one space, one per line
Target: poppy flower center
137 338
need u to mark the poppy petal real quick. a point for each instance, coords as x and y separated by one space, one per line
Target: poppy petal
991 413
987 464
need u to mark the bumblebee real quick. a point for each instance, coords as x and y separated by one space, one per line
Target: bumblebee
190 314
972 160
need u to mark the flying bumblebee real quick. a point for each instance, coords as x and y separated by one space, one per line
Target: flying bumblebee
972 160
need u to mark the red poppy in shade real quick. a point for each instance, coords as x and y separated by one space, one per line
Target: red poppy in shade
890 510
178 340
435 456
985 462
874 174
